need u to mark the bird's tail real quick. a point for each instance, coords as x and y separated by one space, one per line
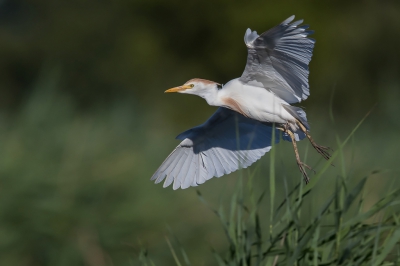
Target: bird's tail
301 116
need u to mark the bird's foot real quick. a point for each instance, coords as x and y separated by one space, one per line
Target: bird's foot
302 169
324 151
320 149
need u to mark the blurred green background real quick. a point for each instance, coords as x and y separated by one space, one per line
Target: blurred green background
84 121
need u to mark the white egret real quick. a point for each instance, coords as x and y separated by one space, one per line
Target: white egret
240 131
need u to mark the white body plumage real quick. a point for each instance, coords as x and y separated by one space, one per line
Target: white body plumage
254 102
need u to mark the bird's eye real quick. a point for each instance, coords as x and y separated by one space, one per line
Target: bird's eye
191 85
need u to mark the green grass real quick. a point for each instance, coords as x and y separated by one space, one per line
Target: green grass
75 190
338 230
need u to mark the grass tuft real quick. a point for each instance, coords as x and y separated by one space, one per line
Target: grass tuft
340 231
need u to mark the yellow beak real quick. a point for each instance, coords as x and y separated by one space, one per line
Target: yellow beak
180 88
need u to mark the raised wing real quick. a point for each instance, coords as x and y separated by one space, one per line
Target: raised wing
226 142
278 60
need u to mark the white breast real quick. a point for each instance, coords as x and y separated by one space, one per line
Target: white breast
254 102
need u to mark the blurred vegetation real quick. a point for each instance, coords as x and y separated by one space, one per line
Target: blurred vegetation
84 122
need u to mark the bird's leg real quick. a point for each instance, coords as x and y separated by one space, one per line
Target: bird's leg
300 164
283 129
320 149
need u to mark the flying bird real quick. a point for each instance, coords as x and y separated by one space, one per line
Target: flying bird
250 108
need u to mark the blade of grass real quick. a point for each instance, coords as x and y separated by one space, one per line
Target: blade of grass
272 179
328 163
388 247
173 252
183 252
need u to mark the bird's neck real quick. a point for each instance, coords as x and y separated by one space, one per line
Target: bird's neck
211 96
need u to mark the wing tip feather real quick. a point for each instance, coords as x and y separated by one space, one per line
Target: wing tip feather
288 20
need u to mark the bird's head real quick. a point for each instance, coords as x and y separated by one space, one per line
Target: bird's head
200 87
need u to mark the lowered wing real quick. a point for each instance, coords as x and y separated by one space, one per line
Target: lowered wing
278 60
226 142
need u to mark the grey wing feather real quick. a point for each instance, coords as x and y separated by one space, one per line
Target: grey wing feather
226 142
278 60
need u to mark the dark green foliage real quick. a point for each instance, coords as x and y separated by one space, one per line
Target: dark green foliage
75 190
79 145
125 48
354 241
